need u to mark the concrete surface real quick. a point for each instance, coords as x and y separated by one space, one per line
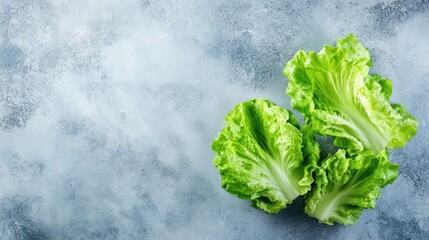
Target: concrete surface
108 110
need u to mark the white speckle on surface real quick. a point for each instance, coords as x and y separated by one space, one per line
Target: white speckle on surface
108 110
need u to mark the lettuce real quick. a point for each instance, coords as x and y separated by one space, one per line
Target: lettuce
346 186
339 98
263 156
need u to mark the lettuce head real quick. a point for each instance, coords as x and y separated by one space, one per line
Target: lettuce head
345 186
263 156
339 98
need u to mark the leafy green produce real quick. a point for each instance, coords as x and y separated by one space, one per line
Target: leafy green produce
339 98
346 186
261 155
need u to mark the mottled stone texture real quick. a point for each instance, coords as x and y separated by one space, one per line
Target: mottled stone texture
108 109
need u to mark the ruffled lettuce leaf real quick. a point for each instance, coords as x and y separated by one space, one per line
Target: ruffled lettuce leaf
263 156
339 98
346 186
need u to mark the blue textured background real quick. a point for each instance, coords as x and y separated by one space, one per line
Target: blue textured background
108 109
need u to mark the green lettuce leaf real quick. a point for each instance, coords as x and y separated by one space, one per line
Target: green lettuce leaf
339 98
346 186
262 155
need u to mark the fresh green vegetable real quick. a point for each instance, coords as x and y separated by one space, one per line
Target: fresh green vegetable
261 155
339 98
346 186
